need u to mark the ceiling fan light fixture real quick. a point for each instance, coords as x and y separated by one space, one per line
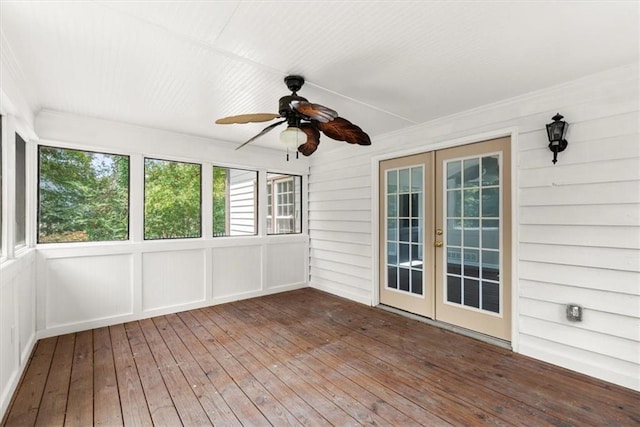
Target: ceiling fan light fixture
293 137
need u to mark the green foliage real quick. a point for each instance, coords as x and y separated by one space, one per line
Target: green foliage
172 201
83 196
220 181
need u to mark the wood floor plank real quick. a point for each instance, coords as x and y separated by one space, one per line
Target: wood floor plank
284 392
106 401
262 350
405 374
161 407
24 409
212 402
300 358
275 413
196 339
375 380
184 399
501 370
376 409
522 378
56 391
79 402
133 404
451 360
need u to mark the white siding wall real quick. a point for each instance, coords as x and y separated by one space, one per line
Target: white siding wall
577 222
242 205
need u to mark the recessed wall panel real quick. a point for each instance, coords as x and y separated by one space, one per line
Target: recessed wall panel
172 278
286 264
236 270
82 289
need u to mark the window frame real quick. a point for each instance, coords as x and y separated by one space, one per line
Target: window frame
273 179
144 200
37 199
20 193
256 202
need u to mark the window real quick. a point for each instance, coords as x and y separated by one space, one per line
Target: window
172 199
283 204
234 202
21 188
82 196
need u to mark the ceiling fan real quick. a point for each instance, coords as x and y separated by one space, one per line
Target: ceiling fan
304 121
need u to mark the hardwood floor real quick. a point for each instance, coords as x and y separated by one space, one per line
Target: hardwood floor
300 358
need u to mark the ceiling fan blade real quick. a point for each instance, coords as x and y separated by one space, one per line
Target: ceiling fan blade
314 111
247 118
313 139
262 132
342 129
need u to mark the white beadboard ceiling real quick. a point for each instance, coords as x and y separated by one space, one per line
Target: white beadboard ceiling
384 65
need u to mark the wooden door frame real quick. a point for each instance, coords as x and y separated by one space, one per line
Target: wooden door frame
512 133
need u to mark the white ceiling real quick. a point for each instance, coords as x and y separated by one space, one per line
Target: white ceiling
384 65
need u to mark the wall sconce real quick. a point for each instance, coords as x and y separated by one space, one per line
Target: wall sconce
556 132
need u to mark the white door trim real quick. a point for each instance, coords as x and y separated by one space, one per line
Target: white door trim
511 132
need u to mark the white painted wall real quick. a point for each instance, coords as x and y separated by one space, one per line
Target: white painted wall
17 269
577 223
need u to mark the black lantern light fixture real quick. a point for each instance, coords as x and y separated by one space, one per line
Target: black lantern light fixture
556 132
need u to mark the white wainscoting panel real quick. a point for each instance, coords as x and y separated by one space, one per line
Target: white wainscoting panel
237 271
82 289
286 264
9 356
172 278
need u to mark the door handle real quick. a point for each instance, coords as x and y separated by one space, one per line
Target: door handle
438 244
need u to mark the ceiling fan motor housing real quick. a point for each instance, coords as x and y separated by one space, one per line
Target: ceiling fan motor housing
285 105
294 83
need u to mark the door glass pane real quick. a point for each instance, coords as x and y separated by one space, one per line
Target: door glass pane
454 261
490 202
416 282
473 232
405 211
392 182
405 231
491 296
403 206
403 175
416 256
454 176
454 293
454 232
392 277
416 179
454 203
392 205
403 282
491 234
471 172
392 229
392 253
490 171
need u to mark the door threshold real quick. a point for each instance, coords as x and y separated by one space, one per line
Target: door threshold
449 327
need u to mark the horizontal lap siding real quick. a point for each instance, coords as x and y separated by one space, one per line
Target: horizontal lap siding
578 222
340 227
579 241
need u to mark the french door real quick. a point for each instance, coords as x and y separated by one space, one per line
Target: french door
445 227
